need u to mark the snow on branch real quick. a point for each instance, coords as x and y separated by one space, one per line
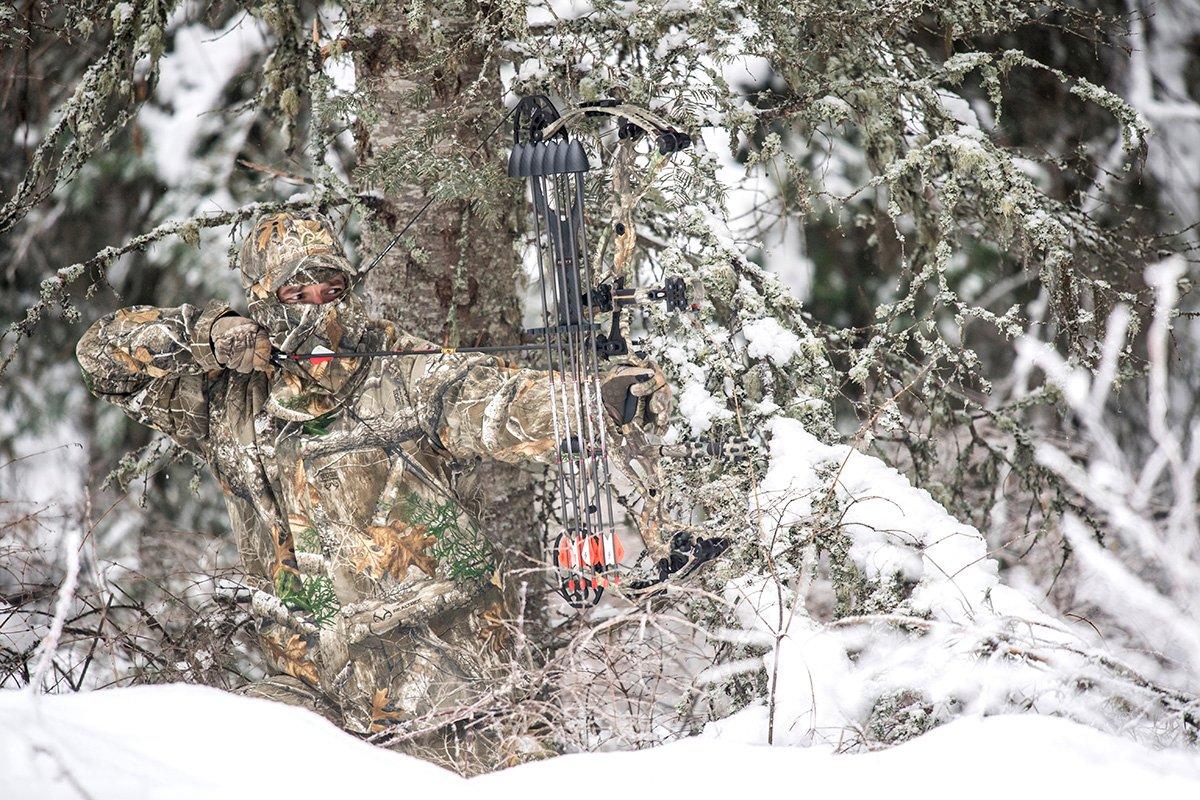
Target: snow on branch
1142 568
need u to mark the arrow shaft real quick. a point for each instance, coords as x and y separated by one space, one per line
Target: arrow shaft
426 351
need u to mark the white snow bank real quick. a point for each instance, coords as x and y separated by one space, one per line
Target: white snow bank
895 528
177 742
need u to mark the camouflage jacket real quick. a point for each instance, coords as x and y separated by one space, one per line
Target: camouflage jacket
371 586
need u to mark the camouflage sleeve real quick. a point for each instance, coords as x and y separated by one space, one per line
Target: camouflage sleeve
498 412
153 363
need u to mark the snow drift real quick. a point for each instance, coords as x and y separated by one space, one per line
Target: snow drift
180 742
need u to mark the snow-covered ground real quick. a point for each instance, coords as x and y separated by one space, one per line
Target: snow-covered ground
181 742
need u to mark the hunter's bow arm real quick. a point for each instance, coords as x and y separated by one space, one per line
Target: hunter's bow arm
154 363
502 413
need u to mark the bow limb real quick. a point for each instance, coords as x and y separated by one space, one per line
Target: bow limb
624 223
648 519
644 466
643 118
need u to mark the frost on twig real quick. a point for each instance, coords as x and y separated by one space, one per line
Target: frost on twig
62 606
1141 569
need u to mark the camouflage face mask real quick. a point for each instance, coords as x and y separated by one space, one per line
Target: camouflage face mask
304 327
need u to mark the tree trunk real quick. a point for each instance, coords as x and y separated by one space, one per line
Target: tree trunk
459 284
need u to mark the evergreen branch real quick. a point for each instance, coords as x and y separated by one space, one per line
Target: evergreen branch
54 289
81 130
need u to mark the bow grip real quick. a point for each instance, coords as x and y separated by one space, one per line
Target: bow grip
630 409
619 398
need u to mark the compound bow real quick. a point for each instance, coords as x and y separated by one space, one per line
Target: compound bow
586 555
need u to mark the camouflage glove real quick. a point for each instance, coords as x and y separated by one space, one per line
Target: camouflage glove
622 387
240 345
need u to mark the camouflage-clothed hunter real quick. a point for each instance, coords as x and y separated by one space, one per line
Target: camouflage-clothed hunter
340 479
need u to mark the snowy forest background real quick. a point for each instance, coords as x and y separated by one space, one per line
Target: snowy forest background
948 259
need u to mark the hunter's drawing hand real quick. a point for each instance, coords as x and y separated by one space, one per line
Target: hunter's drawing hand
240 344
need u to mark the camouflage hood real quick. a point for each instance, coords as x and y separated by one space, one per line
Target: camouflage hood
298 249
